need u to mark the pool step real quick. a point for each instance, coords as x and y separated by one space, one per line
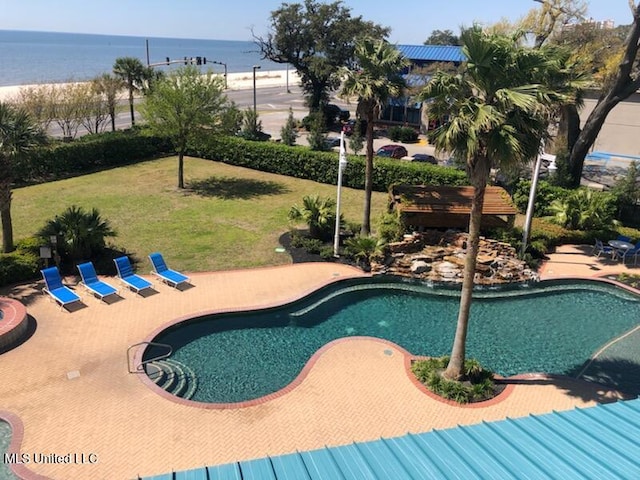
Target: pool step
173 376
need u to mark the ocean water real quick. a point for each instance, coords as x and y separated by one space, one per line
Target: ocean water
48 57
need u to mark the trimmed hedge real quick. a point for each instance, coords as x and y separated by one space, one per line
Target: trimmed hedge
88 154
99 152
21 265
545 194
300 162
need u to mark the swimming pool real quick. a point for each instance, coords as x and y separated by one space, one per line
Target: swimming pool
5 441
553 328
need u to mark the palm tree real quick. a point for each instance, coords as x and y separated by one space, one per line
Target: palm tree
376 79
495 114
318 213
134 74
80 233
18 135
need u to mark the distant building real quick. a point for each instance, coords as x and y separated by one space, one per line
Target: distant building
405 110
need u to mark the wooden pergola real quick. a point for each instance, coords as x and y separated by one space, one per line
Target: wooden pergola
449 207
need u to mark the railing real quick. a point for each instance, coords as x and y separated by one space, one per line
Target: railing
140 368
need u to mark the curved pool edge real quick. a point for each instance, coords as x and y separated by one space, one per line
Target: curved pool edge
408 357
17 436
353 273
598 278
308 367
13 323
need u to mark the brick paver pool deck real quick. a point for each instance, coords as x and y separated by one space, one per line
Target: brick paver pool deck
69 386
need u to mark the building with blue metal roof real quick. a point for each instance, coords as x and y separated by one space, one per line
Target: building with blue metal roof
425 54
405 110
599 442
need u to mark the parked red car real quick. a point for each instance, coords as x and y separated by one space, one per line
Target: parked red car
392 151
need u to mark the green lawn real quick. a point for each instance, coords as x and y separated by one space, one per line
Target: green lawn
231 217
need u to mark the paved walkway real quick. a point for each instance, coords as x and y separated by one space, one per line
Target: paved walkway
577 261
69 385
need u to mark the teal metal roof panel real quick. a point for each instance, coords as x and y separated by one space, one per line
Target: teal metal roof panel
383 460
290 467
229 471
432 53
259 469
197 474
598 442
351 463
320 465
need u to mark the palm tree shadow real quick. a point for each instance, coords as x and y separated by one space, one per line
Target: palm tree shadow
605 381
618 373
230 188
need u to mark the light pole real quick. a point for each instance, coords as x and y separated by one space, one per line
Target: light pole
255 109
342 163
532 194
225 72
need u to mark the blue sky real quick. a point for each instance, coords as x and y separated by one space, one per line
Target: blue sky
411 21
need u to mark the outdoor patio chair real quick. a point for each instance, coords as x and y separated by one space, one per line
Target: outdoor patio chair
56 290
90 281
632 252
599 248
130 279
171 277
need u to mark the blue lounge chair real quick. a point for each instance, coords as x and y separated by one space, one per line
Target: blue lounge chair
90 281
130 279
56 290
165 274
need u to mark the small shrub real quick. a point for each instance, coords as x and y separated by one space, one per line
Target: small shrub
312 245
80 234
363 250
288 132
18 266
389 228
30 245
402 134
318 213
545 195
296 239
476 385
317 134
584 209
326 252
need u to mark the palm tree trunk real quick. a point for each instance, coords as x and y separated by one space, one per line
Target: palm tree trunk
5 217
456 363
368 179
133 120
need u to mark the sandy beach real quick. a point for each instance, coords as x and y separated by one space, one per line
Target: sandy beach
235 81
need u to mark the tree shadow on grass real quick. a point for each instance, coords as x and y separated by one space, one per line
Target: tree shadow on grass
236 188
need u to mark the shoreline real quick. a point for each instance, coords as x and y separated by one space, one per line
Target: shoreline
235 81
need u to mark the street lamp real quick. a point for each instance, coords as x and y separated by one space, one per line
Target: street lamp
532 194
225 72
255 109
342 163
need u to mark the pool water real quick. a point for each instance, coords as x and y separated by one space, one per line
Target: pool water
5 440
551 329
